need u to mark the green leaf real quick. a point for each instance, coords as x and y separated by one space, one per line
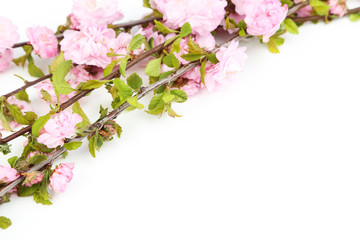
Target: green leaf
146 3
92 146
185 30
167 97
23 96
133 101
136 42
164 29
287 2
15 111
180 95
5 148
123 90
123 65
157 105
202 72
192 56
153 68
272 46
354 17
58 79
171 61
38 198
37 159
46 96
94 84
134 81
194 47
12 161
24 191
4 222
278 40
320 7
103 112
175 47
34 70
109 68
57 61
72 145
171 112
5 122
212 58
39 124
291 26
85 120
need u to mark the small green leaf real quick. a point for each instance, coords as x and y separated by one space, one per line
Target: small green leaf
171 112
72 145
58 79
109 68
272 46
194 47
37 159
4 222
163 29
157 106
171 61
123 65
133 101
38 198
57 61
134 81
136 42
5 122
5 148
153 68
291 26
167 97
212 58
192 56
94 84
34 70
85 120
23 96
180 95
92 146
185 30
202 72
175 47
15 111
12 161
123 90
46 96
39 124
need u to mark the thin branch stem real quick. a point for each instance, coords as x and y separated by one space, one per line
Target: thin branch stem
324 18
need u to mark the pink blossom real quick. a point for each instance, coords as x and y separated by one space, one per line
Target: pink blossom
265 17
338 7
234 16
8 34
304 11
90 12
8 174
121 43
32 178
204 16
76 76
59 127
43 40
242 7
231 61
88 46
193 85
6 58
61 176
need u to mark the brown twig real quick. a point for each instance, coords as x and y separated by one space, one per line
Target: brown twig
317 18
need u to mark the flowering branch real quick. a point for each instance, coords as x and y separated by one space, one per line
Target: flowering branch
324 18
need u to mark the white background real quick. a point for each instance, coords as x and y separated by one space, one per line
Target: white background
274 156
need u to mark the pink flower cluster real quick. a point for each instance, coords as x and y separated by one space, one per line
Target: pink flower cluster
76 76
43 40
231 62
204 16
338 7
32 178
263 17
61 176
91 45
59 127
8 37
90 12
8 174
